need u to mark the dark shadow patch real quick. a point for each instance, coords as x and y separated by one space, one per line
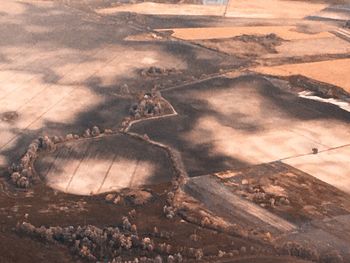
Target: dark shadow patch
199 158
9 116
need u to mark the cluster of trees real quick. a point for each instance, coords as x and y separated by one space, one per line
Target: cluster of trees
304 251
148 105
96 244
155 71
22 173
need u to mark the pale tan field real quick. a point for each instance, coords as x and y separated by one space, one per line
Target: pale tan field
285 32
336 72
241 8
332 167
104 164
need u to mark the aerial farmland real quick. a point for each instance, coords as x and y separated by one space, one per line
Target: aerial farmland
174 131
